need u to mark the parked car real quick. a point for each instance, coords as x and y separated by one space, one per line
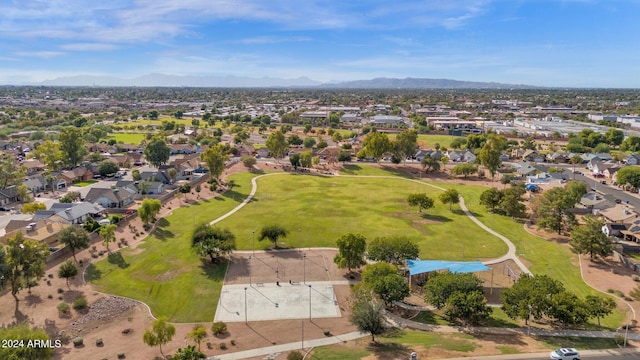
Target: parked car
4 209
565 354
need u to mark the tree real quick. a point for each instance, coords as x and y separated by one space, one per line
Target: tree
491 198
367 313
23 193
25 262
306 159
10 173
67 270
575 190
135 174
70 197
465 169
108 168
172 172
149 209
160 333
49 153
568 309
490 152
273 233
294 159
31 208
309 142
108 234
406 143
215 157
422 201
468 307
383 279
74 238
376 145
589 238
530 297
428 164
248 161
458 143
450 197
631 143
598 306
351 250
72 145
511 204
392 249
212 241
26 334
551 209
441 286
157 152
197 334
629 175
188 353
277 144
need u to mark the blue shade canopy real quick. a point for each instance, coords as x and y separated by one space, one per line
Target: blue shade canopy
424 266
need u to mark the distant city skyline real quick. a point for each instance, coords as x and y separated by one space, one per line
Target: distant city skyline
554 43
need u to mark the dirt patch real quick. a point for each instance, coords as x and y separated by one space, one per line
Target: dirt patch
166 276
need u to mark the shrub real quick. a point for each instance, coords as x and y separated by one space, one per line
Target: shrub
99 342
60 290
218 328
635 277
327 332
209 345
49 296
295 355
80 303
233 343
63 308
635 293
78 341
121 355
223 346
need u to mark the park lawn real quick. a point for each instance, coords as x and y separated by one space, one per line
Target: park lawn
84 183
498 318
579 343
543 256
429 141
167 275
129 138
368 169
317 210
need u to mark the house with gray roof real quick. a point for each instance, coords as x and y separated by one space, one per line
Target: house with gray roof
73 213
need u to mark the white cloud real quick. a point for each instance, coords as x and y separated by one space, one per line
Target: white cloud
89 47
39 54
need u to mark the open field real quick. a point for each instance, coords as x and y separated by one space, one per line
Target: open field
129 137
321 209
428 141
163 271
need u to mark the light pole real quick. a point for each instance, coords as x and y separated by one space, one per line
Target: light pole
304 269
253 242
309 302
245 306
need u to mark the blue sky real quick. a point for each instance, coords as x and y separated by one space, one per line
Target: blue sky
566 43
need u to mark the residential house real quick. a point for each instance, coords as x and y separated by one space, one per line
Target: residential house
34 166
70 214
461 156
110 198
618 214
262 153
633 159
155 176
546 179
594 200
123 160
613 230
40 230
598 167
504 157
77 174
8 195
181 149
423 153
587 158
517 153
532 155
524 169
244 150
559 158
610 173
632 233
155 187
387 120
36 183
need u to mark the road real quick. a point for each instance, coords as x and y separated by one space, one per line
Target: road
630 354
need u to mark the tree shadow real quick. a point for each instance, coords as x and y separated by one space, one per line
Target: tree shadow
214 271
389 350
435 218
32 300
460 212
163 234
117 259
162 222
92 273
70 295
50 328
234 195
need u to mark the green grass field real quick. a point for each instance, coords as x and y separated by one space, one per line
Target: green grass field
167 275
428 141
84 183
128 138
323 208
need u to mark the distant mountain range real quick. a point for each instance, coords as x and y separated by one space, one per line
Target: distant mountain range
162 80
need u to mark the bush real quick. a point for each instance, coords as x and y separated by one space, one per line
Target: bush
80 303
327 332
218 328
223 346
635 277
295 355
60 290
121 355
99 342
63 308
78 341
233 343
